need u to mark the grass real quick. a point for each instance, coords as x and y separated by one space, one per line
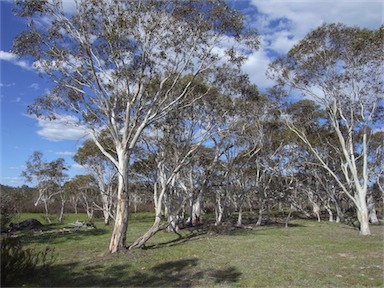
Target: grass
307 254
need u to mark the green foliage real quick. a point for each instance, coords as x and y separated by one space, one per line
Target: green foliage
20 265
6 210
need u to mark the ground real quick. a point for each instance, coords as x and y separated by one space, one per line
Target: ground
307 254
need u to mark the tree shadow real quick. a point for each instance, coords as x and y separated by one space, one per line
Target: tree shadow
178 273
231 228
227 275
52 234
193 235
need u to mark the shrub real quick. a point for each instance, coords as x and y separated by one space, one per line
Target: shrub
21 265
6 210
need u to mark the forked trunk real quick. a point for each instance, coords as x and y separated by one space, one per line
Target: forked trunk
173 223
156 227
152 231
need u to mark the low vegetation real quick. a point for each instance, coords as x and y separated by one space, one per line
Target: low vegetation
307 254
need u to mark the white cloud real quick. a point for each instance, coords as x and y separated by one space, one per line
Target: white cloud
14 59
69 6
13 180
65 153
282 24
255 66
34 86
78 167
7 56
64 127
7 85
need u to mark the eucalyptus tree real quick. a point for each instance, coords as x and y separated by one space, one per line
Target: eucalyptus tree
341 69
169 150
103 171
115 65
83 190
260 135
216 117
49 178
170 147
376 158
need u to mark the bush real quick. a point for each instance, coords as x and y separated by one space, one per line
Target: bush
6 211
21 266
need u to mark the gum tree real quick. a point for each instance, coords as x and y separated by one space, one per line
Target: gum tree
49 178
115 65
104 173
341 69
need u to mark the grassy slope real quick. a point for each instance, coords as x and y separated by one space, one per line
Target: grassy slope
307 254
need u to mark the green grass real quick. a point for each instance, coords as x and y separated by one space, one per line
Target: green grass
307 254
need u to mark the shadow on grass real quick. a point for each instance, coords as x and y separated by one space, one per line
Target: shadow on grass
51 234
230 228
179 273
193 235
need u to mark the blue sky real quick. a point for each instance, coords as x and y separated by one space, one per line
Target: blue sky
281 24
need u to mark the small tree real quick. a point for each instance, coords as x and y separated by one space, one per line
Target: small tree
341 69
82 189
104 173
49 178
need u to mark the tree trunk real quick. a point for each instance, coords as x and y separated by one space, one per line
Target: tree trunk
119 234
160 199
106 213
240 217
362 213
249 203
219 211
173 221
61 215
196 209
288 217
372 210
260 207
329 210
190 219
364 222
267 206
339 211
107 198
152 231
47 212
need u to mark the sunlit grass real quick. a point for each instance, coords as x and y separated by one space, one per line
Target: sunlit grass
307 254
